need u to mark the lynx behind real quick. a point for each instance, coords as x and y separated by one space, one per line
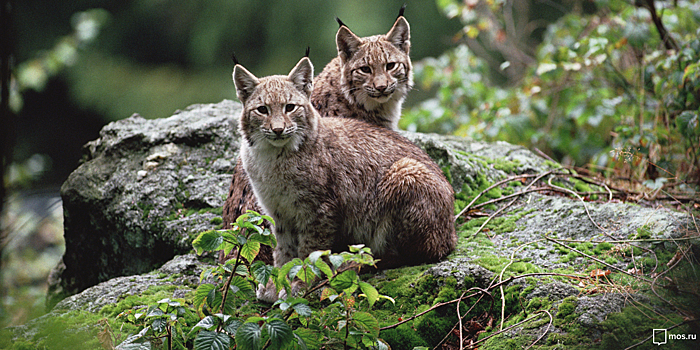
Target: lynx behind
331 182
369 79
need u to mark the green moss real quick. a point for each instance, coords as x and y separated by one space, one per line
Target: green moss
643 232
602 247
402 337
508 166
536 304
446 171
567 308
216 221
149 296
502 342
552 164
71 330
632 325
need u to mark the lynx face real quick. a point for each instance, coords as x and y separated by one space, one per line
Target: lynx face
276 108
376 69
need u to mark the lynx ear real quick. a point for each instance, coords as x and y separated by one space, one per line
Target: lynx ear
400 34
347 43
245 82
302 76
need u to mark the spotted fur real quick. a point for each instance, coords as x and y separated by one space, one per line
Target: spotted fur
331 182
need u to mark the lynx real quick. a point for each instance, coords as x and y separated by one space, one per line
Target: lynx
370 77
368 80
331 182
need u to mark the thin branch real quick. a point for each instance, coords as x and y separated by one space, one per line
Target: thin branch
509 179
513 326
485 292
551 320
459 319
513 201
596 259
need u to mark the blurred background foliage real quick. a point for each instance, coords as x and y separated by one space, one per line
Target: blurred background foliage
596 87
589 83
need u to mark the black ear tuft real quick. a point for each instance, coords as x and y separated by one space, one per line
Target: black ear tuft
340 23
308 48
233 57
401 10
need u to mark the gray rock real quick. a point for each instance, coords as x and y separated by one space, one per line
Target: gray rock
594 308
143 188
461 269
146 187
553 291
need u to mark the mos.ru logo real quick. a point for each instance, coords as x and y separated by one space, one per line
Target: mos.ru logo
660 336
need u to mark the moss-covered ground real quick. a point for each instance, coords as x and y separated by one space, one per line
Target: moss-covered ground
670 300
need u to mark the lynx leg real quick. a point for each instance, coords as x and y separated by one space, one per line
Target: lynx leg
241 199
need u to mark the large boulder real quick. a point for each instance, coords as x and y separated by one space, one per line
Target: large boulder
604 270
145 187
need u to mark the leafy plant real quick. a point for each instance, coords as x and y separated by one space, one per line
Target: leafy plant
331 313
612 85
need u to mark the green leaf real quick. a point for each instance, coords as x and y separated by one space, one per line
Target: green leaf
314 256
366 322
302 309
286 269
336 260
344 280
370 293
308 338
242 284
306 274
280 333
200 295
206 323
356 248
323 267
250 250
231 326
159 324
261 272
214 299
248 337
209 340
207 241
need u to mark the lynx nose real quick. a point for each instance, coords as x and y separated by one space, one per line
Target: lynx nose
380 84
278 131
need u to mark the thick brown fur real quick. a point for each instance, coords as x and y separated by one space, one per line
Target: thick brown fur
332 182
336 93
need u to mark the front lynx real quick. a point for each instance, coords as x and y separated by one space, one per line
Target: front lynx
332 182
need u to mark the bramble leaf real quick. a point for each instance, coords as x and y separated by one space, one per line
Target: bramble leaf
210 340
207 241
248 336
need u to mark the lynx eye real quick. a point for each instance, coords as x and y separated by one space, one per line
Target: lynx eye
366 69
289 107
262 109
390 66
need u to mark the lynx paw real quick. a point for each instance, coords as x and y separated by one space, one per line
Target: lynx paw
269 293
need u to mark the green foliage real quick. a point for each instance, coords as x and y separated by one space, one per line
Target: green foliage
224 312
602 89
